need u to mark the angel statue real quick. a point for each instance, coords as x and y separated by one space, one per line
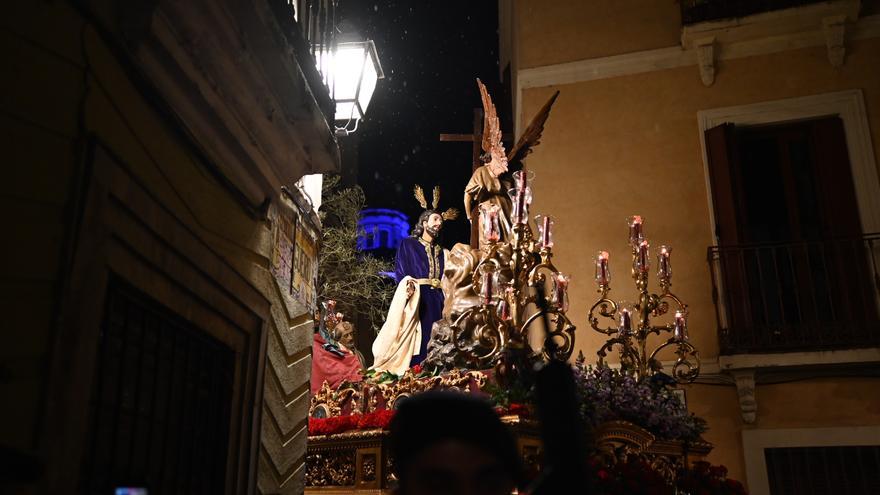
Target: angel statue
488 188
489 183
418 301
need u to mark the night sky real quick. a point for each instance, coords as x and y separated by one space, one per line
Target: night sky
432 53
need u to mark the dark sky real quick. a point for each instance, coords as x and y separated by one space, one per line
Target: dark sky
431 52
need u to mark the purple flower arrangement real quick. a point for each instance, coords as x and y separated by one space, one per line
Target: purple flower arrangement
609 394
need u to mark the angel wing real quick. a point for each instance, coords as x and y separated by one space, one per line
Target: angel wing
491 126
531 137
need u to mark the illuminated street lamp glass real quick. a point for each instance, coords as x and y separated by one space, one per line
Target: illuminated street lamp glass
354 71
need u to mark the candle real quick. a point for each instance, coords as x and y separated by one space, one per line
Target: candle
635 230
489 282
545 230
504 305
603 275
545 234
624 326
560 291
642 262
664 269
679 330
491 227
520 198
520 204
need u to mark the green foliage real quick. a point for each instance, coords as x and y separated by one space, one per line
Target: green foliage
346 275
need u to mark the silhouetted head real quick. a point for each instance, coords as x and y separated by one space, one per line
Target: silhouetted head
444 442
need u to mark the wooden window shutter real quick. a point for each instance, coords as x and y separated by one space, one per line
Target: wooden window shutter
723 159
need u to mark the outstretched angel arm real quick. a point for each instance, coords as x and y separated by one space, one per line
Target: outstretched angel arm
531 137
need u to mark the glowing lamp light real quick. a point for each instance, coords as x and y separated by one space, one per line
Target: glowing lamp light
352 73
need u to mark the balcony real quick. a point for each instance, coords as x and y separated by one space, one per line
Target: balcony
798 296
696 11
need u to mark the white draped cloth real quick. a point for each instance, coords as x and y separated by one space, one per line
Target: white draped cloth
401 334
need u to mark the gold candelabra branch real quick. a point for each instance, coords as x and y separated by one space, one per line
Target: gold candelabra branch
504 279
633 321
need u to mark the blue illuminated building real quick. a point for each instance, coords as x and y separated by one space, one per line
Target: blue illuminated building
382 229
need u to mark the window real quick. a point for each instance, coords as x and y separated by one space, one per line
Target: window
794 265
854 470
160 406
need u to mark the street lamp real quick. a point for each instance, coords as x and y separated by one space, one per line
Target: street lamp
353 70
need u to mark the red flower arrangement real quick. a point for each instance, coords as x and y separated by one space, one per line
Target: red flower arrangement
339 424
335 424
514 408
630 477
375 419
706 479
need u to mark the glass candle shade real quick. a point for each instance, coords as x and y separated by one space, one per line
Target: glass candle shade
625 313
489 221
504 304
679 326
664 268
488 286
636 235
545 230
522 178
642 261
521 199
560 291
603 273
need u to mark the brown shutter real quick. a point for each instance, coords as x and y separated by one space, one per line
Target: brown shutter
724 177
840 209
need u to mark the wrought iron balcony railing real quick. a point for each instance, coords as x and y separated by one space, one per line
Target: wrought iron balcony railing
798 296
694 11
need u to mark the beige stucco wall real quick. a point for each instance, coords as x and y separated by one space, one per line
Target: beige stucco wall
631 145
568 30
818 403
810 403
558 31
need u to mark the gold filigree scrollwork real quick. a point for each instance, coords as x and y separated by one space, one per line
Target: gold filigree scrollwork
408 385
329 402
335 468
630 337
486 323
687 365
560 331
480 334
369 467
607 309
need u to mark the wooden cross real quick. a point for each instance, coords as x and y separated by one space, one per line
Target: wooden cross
476 138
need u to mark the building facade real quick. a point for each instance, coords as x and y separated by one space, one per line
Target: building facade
159 264
747 141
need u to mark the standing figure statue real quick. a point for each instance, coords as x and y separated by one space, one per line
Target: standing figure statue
486 188
490 182
418 301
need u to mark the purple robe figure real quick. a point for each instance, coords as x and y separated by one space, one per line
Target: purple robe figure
423 261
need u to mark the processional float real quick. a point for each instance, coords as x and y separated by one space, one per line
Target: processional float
506 305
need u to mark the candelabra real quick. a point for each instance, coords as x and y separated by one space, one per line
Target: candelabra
504 277
631 338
